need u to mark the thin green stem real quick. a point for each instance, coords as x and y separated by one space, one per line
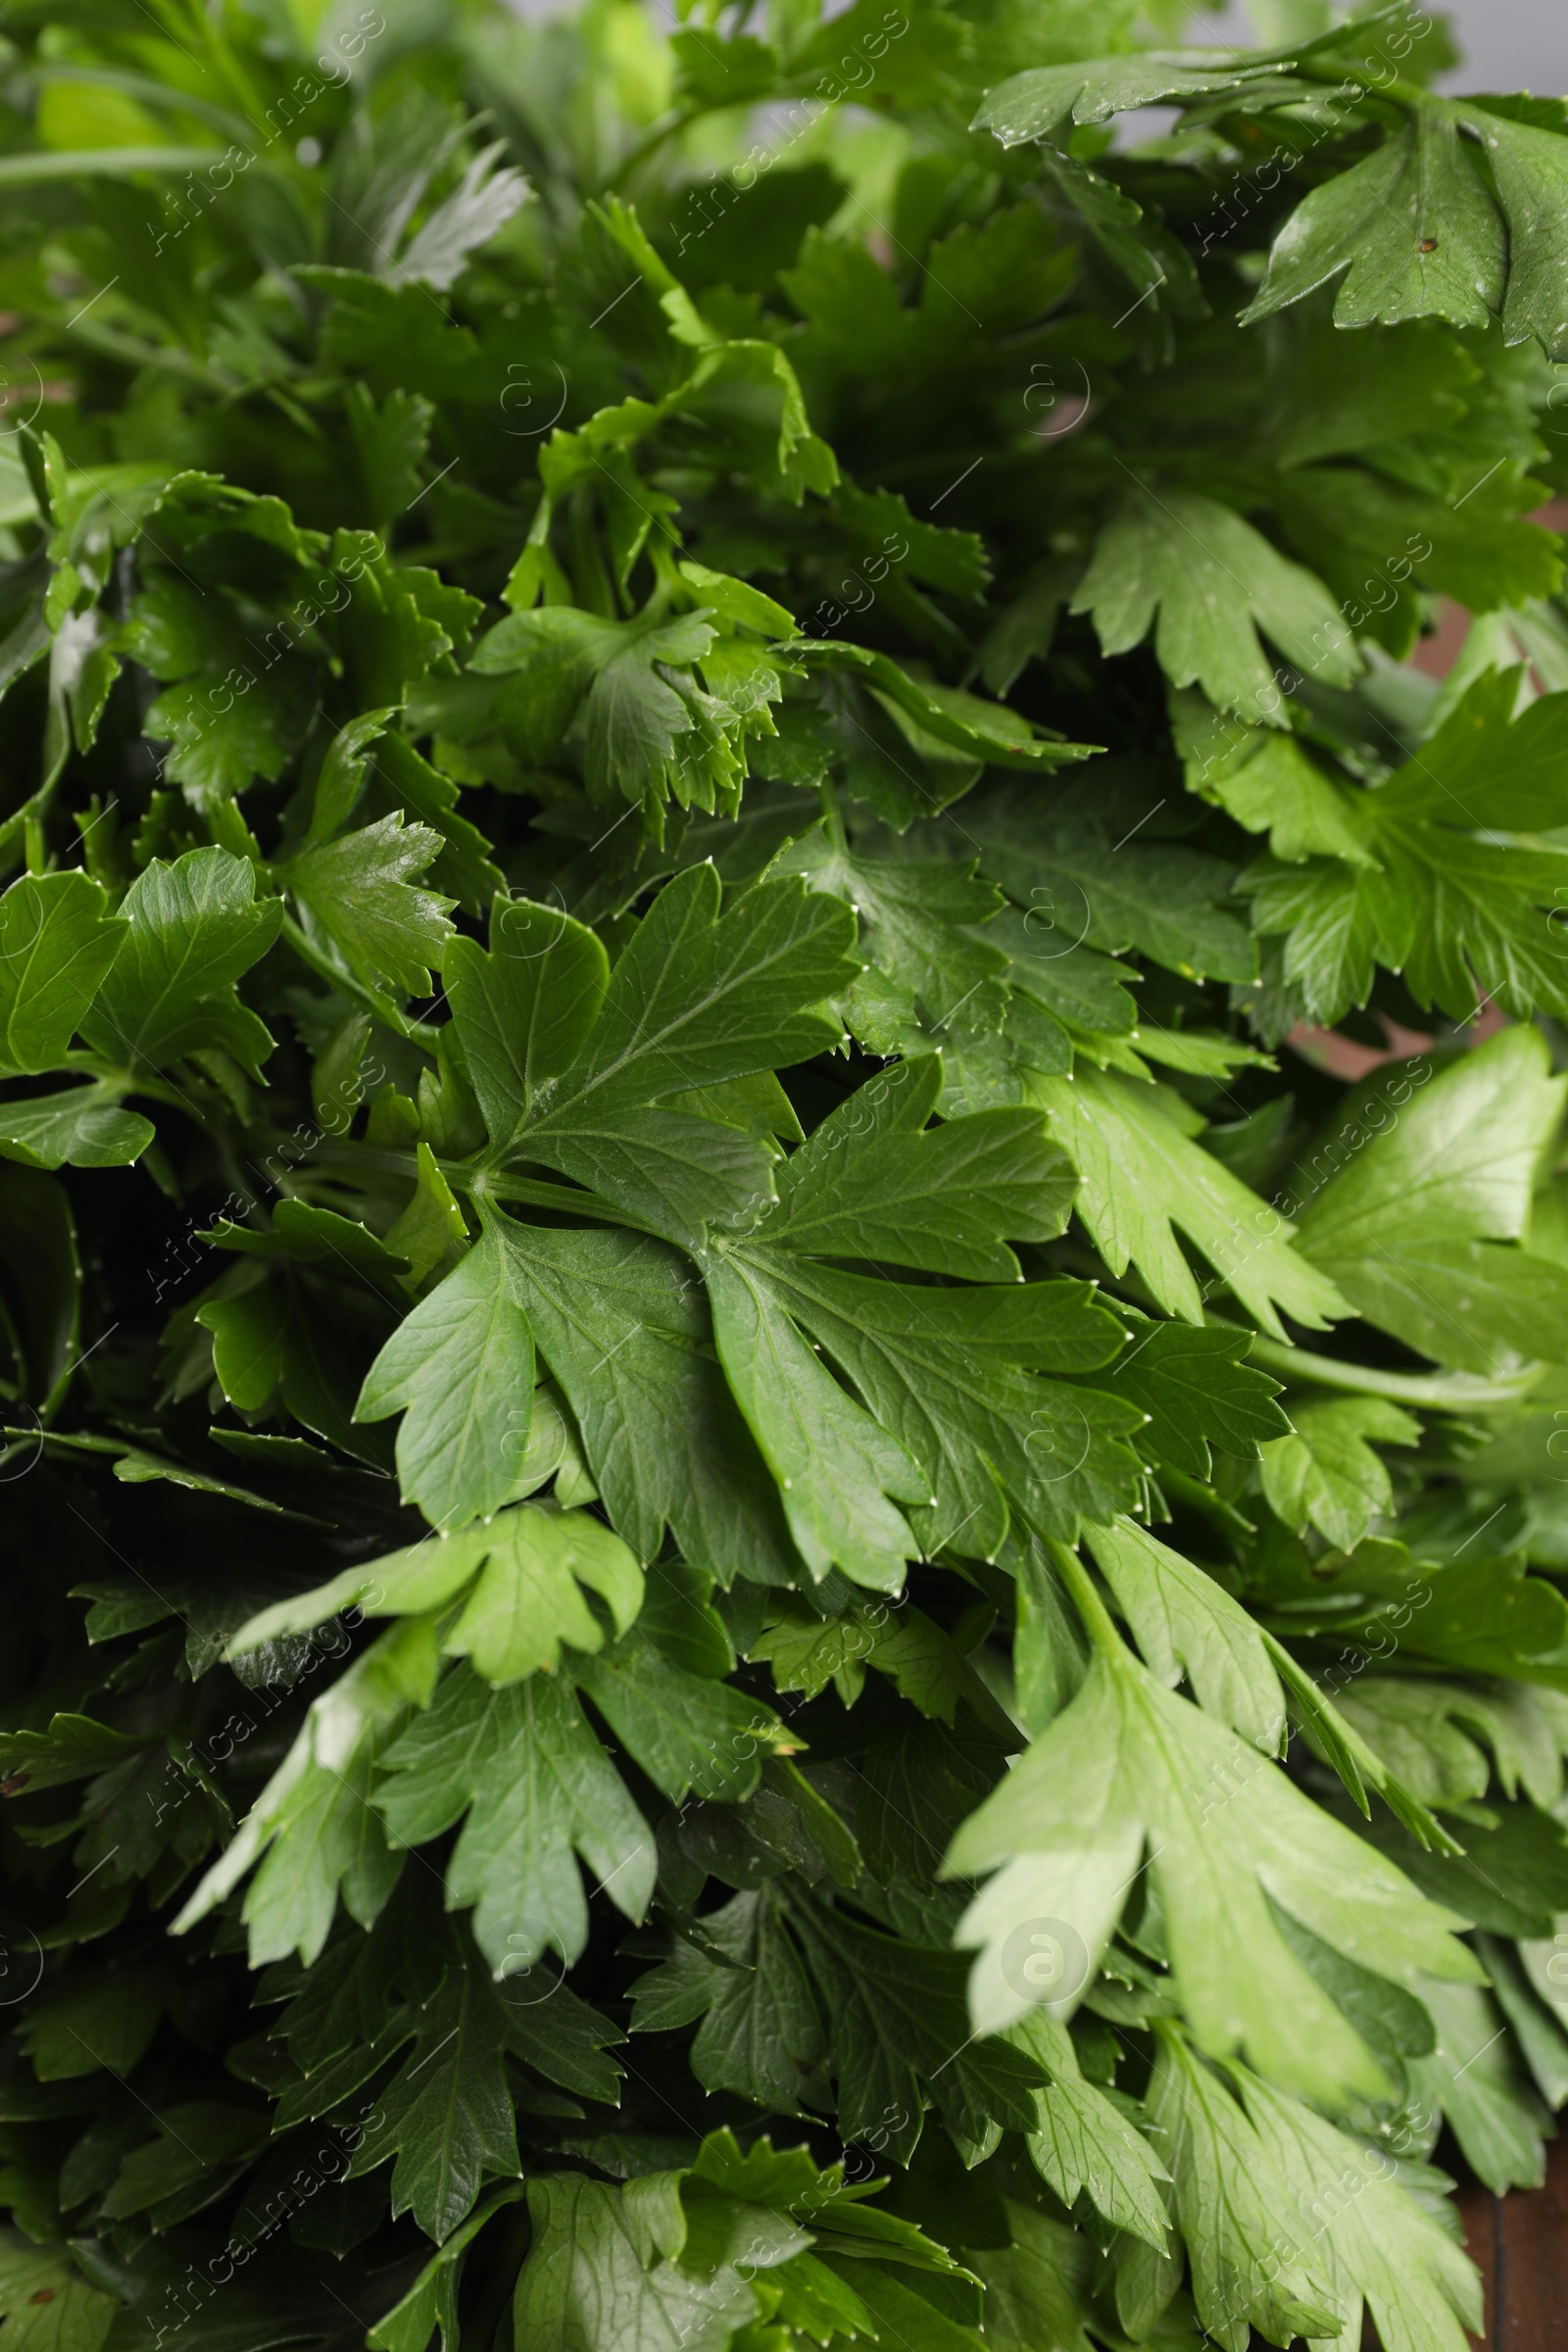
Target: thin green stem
480 1184
1457 1393
1098 1621
652 142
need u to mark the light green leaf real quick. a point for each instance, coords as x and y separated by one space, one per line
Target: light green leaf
313 1828
1369 2234
1254 2261
57 943
47 2303
528 1564
527 1602
1326 1473
1474 2076
1084 2141
1409 1230
1228 1834
1142 1176
1214 582
461 1369
195 927
535 1784
1185 1623
356 893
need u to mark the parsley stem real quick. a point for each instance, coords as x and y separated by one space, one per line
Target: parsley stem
1456 1392
1098 1620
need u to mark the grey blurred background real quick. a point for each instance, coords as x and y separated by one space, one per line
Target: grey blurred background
1513 44
1508 44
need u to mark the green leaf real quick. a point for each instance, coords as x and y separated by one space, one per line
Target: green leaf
1410 1230
1475 2080
1429 1733
527 1600
445 2115
1037 2288
591 2282
684 1729
195 928
525 1009
356 892
839 1472
1080 882
695 999
1047 100
875 1182
638 687
1269 784
535 1783
1227 1832
83 1126
1421 233
520 1574
483 202
431 2302
106 2020
950 1375
1214 581
623 1322
760 2033
56 944
699 997
1380 2248
312 1829
1192 1382
1142 1176
910 926
1413 223
461 1369
1185 1622
1252 2260
1083 2142
1326 1475
47 2305
895 2015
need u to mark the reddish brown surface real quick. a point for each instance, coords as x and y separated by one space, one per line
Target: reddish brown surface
1520 2246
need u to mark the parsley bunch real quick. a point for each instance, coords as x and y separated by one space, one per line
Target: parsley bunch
783 1280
